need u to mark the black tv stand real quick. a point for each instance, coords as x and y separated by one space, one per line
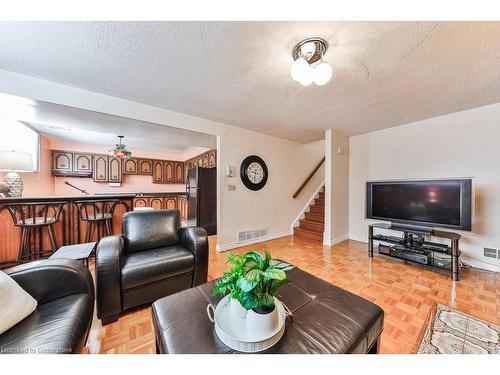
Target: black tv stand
412 247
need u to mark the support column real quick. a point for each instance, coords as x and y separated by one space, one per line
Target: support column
336 188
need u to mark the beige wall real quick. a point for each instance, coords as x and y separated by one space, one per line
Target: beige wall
336 188
289 162
463 144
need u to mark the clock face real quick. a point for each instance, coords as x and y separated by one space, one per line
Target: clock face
253 172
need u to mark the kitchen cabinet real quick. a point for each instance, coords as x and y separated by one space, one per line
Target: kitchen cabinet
145 167
169 173
82 163
100 168
156 203
141 202
182 206
158 172
179 172
170 203
62 161
212 161
114 169
130 166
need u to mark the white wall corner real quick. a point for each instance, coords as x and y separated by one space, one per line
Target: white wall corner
301 213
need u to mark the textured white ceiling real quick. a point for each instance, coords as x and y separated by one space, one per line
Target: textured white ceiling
385 73
87 127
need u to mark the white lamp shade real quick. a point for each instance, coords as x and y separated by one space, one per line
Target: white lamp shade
301 71
322 74
16 161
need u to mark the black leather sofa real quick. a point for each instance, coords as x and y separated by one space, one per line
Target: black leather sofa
154 257
61 322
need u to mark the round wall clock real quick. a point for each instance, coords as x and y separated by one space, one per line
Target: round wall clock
253 172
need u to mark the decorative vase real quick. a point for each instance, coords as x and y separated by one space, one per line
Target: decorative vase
15 183
237 311
262 324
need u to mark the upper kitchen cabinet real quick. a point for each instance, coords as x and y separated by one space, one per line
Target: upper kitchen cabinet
66 163
107 169
169 172
101 167
114 169
158 172
179 172
130 166
62 162
145 167
82 163
212 160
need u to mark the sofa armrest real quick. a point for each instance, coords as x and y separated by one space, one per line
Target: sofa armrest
50 279
195 239
108 264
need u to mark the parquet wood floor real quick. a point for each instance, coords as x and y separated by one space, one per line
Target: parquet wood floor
405 292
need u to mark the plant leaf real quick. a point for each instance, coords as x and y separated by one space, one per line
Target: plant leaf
248 301
256 257
246 285
251 264
267 259
266 300
281 265
253 275
275 274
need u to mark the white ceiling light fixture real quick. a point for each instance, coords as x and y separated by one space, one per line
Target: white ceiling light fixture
308 65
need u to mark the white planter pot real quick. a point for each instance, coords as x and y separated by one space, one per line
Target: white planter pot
262 325
237 311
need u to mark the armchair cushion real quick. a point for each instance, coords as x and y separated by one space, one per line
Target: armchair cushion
144 230
145 267
15 303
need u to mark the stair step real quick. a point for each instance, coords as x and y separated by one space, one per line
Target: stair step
322 195
319 201
311 216
317 209
307 234
312 226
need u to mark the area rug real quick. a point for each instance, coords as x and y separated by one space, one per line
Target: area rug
453 332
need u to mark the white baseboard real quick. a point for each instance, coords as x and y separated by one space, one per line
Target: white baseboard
336 241
476 263
233 245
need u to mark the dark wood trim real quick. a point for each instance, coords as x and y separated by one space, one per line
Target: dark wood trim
309 178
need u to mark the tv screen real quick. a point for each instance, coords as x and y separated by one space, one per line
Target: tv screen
442 203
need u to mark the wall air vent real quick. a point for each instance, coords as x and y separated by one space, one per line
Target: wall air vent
490 253
249 235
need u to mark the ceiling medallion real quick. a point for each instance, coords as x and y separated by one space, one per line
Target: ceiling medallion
309 65
120 151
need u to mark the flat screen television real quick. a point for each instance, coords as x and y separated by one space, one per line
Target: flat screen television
421 203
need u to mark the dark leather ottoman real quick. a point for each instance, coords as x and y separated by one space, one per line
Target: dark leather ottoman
326 319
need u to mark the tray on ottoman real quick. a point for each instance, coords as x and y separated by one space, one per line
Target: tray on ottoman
326 319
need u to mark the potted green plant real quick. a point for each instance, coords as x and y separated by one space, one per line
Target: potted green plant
253 281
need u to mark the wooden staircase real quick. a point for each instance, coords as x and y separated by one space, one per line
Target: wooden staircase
313 224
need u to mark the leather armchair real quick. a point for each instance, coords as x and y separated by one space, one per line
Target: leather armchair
61 322
154 257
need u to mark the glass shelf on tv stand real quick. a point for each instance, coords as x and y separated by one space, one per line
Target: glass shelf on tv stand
452 250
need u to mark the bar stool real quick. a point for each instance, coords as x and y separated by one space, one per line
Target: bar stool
32 218
97 213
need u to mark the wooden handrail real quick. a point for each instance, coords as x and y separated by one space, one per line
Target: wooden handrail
309 178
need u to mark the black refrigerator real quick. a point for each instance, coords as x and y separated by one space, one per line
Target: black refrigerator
201 190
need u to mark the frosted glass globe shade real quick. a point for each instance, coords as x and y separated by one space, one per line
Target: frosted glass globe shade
322 74
300 69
